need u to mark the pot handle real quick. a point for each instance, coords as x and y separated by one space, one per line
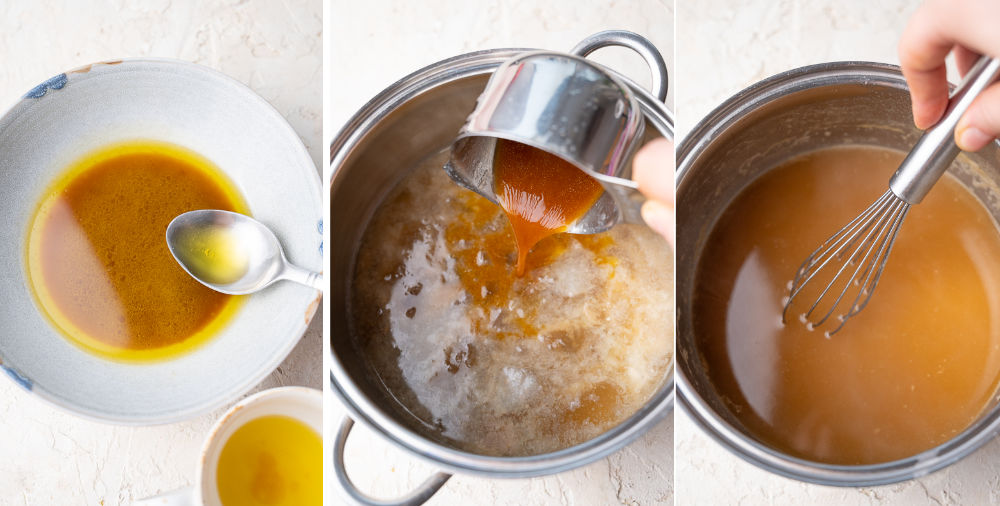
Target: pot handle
417 497
635 42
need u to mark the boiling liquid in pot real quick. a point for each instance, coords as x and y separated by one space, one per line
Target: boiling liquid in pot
911 371
493 363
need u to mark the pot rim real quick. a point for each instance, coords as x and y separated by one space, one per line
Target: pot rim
362 409
691 147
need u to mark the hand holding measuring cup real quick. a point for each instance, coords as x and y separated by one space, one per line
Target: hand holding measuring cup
654 171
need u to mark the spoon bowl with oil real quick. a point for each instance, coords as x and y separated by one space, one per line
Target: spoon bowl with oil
232 253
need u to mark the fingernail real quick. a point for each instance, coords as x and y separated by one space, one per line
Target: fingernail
973 139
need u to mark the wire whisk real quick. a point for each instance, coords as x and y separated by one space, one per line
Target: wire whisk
877 227
863 246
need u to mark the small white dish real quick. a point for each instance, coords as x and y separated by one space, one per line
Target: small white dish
302 404
204 111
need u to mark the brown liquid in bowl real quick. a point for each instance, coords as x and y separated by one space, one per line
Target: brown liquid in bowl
493 363
98 258
911 371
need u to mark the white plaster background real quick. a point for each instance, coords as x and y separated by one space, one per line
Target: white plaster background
723 46
373 43
46 455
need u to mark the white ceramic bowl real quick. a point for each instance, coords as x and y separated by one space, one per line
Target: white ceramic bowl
301 403
204 111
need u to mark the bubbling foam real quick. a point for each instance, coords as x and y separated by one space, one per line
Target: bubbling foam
496 364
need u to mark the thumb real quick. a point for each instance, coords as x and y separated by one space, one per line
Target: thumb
981 123
659 215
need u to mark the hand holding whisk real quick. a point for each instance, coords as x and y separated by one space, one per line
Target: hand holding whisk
857 254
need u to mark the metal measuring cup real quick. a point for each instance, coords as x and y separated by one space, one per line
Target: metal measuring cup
570 107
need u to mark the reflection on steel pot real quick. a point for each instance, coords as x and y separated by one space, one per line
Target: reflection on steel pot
417 116
799 111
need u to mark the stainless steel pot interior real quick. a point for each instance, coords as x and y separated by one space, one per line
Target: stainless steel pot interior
787 115
418 116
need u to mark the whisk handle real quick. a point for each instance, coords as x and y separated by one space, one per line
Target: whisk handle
936 149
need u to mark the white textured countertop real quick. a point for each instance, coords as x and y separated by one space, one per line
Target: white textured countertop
723 46
46 455
374 43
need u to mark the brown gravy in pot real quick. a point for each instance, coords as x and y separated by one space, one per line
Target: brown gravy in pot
492 363
910 372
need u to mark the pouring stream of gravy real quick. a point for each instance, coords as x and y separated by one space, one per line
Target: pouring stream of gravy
541 193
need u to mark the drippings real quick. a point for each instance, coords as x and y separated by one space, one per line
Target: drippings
541 193
911 371
98 259
495 364
273 460
213 254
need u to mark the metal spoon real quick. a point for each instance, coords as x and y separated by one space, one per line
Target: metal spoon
232 253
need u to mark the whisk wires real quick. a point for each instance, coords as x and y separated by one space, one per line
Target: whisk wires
862 248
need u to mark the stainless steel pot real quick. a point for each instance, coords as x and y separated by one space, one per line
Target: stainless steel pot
415 117
786 115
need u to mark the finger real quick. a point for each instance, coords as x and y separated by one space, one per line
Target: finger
937 27
660 216
653 170
981 123
922 51
965 58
